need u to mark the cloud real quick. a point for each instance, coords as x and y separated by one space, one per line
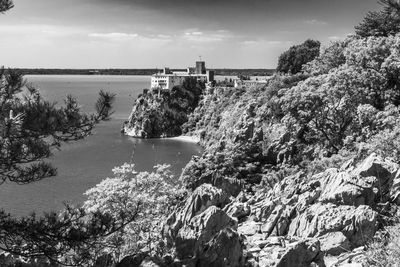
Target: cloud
114 36
164 36
334 38
249 42
315 22
39 29
194 35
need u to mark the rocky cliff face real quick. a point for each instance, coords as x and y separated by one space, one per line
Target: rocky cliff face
300 221
161 114
252 205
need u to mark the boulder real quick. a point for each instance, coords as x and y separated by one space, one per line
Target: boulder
224 250
343 188
334 243
132 261
272 220
202 198
358 224
288 253
384 171
366 184
249 228
148 262
231 186
238 210
200 230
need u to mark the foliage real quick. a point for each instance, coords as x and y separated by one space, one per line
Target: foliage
324 107
385 22
70 238
30 126
121 216
5 5
150 196
293 59
385 250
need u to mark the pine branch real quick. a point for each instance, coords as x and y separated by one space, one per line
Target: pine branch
5 5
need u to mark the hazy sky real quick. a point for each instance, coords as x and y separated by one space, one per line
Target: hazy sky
158 33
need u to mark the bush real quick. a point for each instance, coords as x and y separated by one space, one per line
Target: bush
385 250
292 60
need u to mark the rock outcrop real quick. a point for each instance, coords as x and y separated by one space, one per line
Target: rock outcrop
162 113
296 223
202 233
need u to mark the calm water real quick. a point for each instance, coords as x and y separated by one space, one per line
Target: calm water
83 164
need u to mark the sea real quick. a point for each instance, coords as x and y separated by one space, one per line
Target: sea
83 164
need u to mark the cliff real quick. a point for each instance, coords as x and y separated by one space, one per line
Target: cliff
161 114
301 172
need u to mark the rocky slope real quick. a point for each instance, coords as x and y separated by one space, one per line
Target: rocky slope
300 221
301 172
161 114
251 206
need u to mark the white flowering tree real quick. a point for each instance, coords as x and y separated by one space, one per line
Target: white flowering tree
147 197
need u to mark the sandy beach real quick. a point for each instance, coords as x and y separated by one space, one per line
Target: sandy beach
186 138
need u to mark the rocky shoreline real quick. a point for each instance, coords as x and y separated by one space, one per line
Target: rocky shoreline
301 172
233 219
158 114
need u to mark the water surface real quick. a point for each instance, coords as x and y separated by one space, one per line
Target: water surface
83 164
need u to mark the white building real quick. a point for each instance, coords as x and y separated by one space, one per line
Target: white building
166 79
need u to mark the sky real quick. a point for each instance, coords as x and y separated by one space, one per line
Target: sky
168 33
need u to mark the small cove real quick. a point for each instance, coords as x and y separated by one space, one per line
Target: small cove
83 164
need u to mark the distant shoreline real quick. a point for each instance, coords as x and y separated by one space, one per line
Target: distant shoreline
138 72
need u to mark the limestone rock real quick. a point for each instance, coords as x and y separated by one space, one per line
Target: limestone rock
272 220
222 251
238 210
249 228
231 186
200 230
342 188
334 243
395 189
384 171
288 253
358 224
133 260
202 198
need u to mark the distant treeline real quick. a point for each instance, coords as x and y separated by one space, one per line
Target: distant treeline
222 72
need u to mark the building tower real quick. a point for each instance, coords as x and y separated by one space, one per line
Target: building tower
201 67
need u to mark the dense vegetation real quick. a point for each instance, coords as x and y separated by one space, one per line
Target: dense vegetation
381 23
343 104
291 61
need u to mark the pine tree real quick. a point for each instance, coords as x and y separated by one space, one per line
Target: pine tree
5 5
30 127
